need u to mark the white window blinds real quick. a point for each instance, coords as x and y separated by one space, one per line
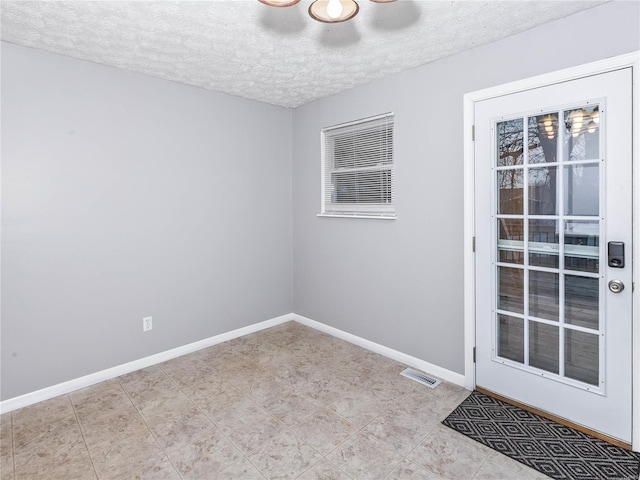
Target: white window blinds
358 168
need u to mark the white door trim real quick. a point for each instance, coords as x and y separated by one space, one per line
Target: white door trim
603 66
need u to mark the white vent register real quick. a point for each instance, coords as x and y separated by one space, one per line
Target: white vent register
420 377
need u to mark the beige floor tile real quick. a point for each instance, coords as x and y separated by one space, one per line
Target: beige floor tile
358 406
102 431
446 458
184 364
300 374
267 386
206 453
324 470
176 432
364 456
99 400
7 471
144 379
66 459
284 456
210 385
220 408
40 434
243 375
247 425
400 429
144 389
491 470
6 448
158 470
426 405
6 432
410 471
241 469
125 458
445 432
267 405
189 376
289 407
323 387
165 404
324 430
52 410
5 426
216 355
520 469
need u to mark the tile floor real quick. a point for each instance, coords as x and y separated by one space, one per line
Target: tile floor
284 403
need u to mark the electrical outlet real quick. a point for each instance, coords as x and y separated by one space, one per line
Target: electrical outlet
147 324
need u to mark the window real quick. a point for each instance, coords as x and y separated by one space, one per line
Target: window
358 168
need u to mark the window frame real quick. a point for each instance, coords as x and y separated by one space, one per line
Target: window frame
387 210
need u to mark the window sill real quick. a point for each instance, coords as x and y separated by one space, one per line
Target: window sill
343 215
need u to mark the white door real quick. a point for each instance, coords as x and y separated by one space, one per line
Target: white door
553 183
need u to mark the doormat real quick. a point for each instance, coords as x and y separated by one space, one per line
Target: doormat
551 448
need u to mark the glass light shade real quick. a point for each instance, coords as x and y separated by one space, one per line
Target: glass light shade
279 3
318 11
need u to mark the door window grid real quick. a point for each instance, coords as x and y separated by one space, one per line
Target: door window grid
523 247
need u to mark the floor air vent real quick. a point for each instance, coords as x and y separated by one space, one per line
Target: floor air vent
420 377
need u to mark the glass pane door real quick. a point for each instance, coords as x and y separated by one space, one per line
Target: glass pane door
547 258
552 188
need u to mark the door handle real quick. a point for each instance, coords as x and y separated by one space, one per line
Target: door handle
616 286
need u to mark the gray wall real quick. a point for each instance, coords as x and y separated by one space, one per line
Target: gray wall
125 196
399 283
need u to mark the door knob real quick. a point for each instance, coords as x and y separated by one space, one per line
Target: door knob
616 286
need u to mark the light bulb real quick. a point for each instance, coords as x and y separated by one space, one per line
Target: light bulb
595 115
592 127
548 128
334 8
577 116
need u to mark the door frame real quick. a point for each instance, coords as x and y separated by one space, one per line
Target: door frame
603 66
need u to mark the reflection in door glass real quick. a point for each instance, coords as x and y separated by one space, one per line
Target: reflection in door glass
511 289
581 189
548 228
511 334
581 245
543 243
582 133
543 138
544 346
544 295
510 191
582 360
510 240
581 301
510 142
542 191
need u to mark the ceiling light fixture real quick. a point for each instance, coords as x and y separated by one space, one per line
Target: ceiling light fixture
327 11
279 3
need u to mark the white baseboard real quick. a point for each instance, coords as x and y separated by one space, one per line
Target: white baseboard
414 362
93 378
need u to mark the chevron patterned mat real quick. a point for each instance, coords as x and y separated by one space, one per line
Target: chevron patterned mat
557 451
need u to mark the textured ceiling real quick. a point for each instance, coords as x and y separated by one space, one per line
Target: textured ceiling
275 55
